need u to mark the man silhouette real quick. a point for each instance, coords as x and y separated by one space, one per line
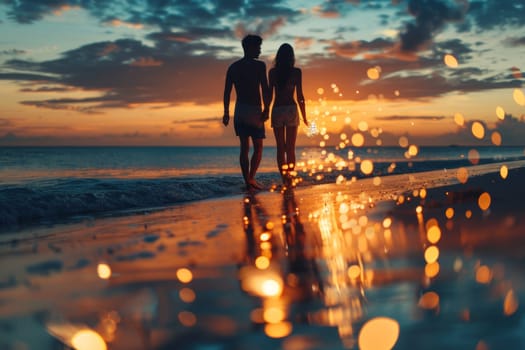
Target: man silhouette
248 76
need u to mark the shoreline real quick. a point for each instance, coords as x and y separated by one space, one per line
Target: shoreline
434 178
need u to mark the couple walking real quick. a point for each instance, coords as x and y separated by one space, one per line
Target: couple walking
248 77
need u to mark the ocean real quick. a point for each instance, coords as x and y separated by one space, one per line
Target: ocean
49 184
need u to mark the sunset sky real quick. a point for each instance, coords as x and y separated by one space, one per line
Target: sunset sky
78 72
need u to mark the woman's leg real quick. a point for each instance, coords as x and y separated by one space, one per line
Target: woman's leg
281 147
291 137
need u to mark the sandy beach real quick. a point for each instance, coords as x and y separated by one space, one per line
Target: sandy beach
429 260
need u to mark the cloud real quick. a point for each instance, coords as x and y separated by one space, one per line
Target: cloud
430 16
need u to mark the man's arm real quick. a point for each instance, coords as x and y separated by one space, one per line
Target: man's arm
266 92
226 99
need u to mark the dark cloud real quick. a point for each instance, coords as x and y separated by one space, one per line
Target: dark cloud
403 117
166 14
169 72
360 47
5 122
491 14
515 41
12 52
431 16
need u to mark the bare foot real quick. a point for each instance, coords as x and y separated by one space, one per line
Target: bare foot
254 184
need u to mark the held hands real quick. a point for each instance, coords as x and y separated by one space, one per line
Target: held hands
226 119
265 115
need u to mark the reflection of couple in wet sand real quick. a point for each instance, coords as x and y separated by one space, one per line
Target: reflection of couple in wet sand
265 250
248 76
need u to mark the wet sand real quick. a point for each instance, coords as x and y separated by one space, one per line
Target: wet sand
420 259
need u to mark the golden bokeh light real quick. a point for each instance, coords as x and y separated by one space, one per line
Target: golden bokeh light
449 213
432 269
187 318
510 304
403 141
271 288
387 222
262 262
354 272
450 61
468 213
473 156
495 137
462 175
429 301
459 119
484 201
367 167
273 315
478 130
87 339
387 328
519 97
500 113
278 330
413 150
362 126
434 234
430 223
187 295
320 91
184 275
504 172
103 271
358 139
431 254
373 73
483 274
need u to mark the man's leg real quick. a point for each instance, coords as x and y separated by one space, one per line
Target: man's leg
255 161
244 158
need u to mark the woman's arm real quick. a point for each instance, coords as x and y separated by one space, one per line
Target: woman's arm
300 96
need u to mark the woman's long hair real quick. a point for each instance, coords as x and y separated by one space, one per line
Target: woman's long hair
284 63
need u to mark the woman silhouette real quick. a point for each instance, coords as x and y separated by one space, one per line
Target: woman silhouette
285 80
